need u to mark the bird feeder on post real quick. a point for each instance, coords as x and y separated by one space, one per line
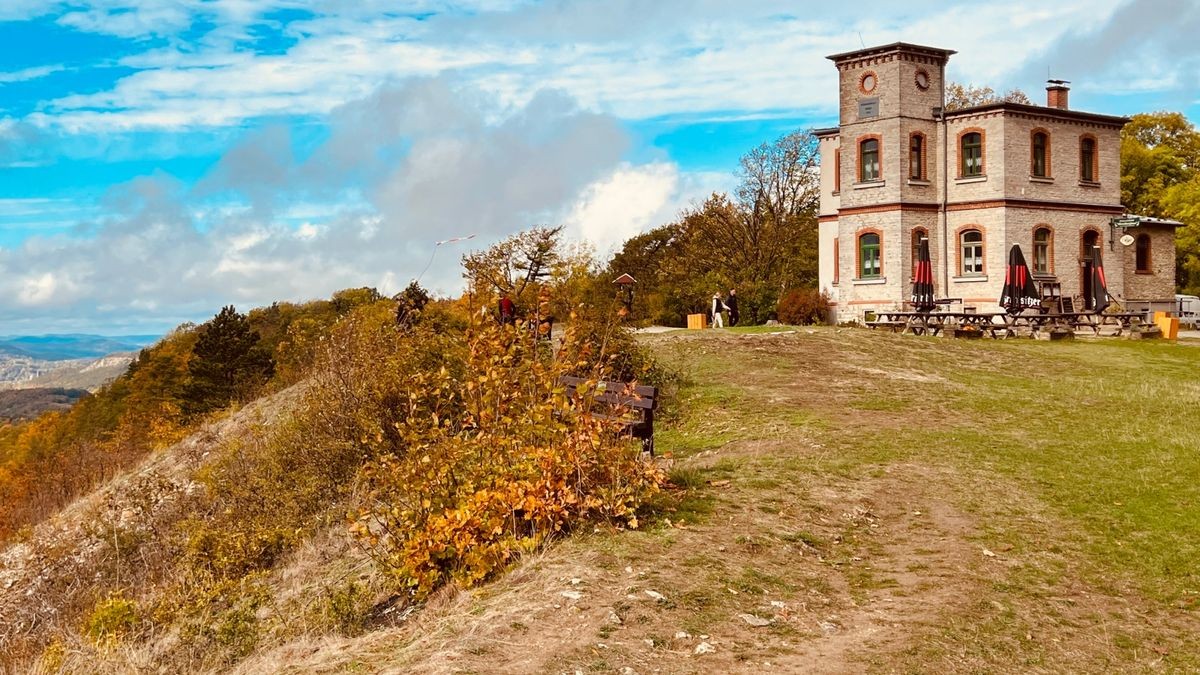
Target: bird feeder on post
624 285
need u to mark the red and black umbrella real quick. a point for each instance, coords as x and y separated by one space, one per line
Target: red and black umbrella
1019 293
922 288
1100 297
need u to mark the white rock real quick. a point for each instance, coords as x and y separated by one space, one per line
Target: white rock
576 581
704 648
572 595
657 596
682 635
778 604
756 621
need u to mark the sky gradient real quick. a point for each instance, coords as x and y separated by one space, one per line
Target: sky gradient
162 158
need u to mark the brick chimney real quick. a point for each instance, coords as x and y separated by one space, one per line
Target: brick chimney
1056 94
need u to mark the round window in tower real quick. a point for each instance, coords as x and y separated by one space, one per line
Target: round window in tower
866 83
922 79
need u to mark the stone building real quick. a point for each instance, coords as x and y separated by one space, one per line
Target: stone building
974 181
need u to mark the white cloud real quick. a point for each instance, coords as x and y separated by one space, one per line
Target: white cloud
626 203
629 58
27 74
403 168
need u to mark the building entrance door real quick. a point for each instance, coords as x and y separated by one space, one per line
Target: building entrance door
1090 241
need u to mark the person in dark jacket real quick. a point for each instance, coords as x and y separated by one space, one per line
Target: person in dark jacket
731 303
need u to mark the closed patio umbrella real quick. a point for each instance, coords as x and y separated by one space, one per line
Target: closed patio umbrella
1018 293
1100 297
922 288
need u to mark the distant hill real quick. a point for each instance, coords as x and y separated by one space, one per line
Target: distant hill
26 404
72 346
88 374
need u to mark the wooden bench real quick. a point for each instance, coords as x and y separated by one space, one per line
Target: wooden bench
894 326
631 405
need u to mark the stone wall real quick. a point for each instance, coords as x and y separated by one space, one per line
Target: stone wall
1159 283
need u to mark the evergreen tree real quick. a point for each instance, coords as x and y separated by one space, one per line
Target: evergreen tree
227 363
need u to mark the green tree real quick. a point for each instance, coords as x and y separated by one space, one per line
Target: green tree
761 240
1160 177
227 363
410 303
516 264
959 96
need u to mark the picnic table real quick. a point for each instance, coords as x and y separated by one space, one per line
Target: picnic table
1002 324
932 323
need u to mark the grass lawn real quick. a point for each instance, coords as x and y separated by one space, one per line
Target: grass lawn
1075 466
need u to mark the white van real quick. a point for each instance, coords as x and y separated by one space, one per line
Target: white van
1189 310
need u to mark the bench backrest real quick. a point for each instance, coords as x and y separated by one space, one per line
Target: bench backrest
639 396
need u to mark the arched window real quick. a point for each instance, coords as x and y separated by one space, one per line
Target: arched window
870 263
916 156
971 152
918 234
868 160
1040 154
1142 254
1087 159
971 243
1042 241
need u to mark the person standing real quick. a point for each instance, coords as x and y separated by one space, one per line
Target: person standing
508 310
731 303
717 306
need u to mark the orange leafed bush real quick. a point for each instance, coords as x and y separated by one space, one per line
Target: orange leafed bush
804 306
495 458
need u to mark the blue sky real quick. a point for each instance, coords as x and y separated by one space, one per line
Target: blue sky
162 158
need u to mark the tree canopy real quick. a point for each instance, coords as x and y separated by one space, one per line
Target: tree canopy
762 240
227 362
959 96
1160 177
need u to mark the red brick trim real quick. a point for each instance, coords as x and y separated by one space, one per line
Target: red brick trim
1083 235
917 79
1035 204
837 170
1049 165
862 81
1049 245
922 173
958 262
1095 157
982 151
827 219
837 261
991 299
859 143
858 250
889 301
887 208
913 241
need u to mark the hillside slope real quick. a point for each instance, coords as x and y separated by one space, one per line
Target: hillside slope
844 501
851 501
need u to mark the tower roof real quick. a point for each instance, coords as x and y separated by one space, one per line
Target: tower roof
940 54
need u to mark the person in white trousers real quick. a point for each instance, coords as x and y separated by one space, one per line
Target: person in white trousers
717 305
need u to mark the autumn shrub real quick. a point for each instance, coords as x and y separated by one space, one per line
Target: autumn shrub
804 306
494 458
111 619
